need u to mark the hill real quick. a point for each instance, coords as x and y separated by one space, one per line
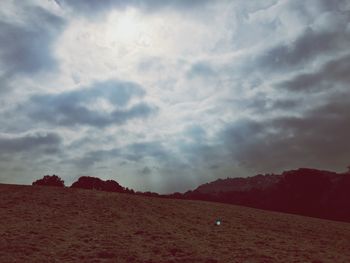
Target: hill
308 192
51 224
239 184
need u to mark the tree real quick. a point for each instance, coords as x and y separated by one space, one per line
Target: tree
50 180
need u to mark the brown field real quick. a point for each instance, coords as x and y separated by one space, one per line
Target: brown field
49 224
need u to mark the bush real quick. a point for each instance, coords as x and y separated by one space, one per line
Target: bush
50 180
112 186
88 182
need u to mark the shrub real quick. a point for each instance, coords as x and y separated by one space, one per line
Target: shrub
50 180
112 186
88 182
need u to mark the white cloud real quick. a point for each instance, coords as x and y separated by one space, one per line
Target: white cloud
202 65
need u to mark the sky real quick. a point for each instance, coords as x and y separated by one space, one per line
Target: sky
166 95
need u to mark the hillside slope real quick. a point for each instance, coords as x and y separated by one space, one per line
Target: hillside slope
49 224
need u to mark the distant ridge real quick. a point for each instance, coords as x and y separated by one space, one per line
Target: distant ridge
239 184
305 191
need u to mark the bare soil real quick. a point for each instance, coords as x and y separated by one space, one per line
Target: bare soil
50 224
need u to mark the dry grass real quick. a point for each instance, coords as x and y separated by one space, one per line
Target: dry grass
44 224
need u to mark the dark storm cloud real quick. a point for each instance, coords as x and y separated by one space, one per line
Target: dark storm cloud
319 138
48 143
330 76
26 47
319 61
72 107
92 7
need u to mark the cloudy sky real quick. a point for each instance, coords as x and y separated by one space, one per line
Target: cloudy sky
166 95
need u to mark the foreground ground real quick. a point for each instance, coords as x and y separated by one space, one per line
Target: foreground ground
49 224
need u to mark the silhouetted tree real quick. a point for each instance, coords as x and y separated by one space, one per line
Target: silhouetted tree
50 180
